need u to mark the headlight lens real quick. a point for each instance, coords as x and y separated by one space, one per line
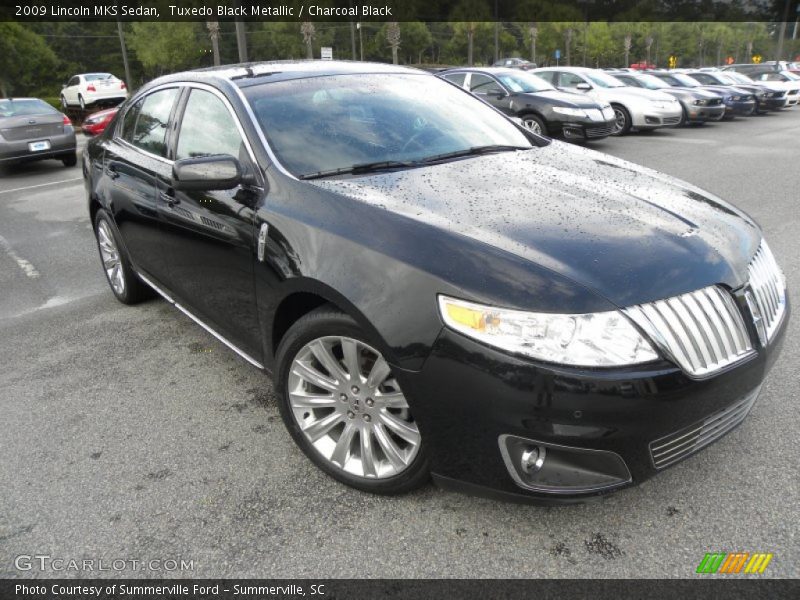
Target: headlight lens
572 112
700 102
604 339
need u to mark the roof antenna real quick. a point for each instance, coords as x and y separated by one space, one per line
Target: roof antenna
250 72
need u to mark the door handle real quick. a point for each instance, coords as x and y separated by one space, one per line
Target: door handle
111 171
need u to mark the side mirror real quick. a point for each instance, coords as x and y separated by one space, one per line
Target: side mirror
500 94
584 87
218 172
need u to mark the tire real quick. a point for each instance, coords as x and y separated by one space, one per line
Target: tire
349 414
684 117
81 102
70 160
534 123
623 119
124 283
64 104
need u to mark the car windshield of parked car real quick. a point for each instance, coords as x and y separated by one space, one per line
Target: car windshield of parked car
524 82
604 80
319 124
97 76
652 83
684 80
19 108
739 77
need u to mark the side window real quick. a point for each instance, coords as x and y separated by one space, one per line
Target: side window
549 76
457 78
129 122
570 80
150 133
483 84
207 128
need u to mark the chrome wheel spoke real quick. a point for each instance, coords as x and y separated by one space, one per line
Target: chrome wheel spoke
350 351
407 431
342 450
306 400
367 454
391 400
380 371
314 377
322 426
323 354
390 449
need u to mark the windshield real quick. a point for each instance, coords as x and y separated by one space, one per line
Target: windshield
652 83
97 76
18 108
740 77
603 80
685 80
321 124
524 82
725 78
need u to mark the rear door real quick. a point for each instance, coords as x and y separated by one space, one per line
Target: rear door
490 90
209 236
134 159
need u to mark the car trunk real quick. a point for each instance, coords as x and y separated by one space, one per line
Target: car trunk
31 127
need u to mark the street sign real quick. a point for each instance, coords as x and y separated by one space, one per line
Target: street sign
326 53
672 61
757 58
558 54
729 60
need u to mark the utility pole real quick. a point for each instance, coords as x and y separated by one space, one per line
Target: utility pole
241 40
360 41
213 33
496 34
353 38
128 81
782 33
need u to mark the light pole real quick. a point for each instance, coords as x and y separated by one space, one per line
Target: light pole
128 81
360 42
782 34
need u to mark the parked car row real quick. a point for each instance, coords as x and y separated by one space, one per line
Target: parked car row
579 104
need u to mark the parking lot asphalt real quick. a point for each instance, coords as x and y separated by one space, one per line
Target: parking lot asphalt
131 433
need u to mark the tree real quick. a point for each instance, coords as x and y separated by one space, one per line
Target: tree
25 60
167 46
393 37
307 30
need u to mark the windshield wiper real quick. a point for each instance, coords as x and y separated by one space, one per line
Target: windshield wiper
385 165
474 151
359 169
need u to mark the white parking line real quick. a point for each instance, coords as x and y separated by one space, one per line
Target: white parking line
30 187
23 264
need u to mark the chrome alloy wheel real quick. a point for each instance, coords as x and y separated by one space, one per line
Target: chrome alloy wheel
112 262
350 408
620 119
533 125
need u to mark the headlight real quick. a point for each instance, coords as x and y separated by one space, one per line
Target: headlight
736 98
572 112
604 339
700 102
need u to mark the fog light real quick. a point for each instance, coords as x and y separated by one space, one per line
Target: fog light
533 459
556 469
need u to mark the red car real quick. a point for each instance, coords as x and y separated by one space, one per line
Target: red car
96 123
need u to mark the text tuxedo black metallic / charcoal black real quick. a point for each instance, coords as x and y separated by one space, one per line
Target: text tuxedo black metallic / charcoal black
435 289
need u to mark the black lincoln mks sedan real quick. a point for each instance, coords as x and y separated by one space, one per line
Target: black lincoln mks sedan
541 107
435 289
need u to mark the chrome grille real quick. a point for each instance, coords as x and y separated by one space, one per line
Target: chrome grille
769 290
715 102
682 443
702 331
602 131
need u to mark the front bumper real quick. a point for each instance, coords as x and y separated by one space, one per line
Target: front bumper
651 117
700 114
585 130
60 145
774 103
468 397
740 107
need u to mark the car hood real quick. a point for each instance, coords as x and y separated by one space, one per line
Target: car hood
627 232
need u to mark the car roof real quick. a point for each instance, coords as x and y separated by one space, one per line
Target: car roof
255 73
488 70
569 69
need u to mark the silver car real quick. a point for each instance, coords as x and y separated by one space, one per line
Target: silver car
633 107
31 129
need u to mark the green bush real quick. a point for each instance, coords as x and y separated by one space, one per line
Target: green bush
53 101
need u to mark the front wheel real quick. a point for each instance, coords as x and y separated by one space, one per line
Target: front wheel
344 407
535 124
622 120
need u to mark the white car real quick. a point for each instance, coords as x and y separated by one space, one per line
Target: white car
633 107
789 80
93 88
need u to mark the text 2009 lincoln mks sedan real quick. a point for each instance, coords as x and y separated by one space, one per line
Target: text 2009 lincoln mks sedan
436 290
